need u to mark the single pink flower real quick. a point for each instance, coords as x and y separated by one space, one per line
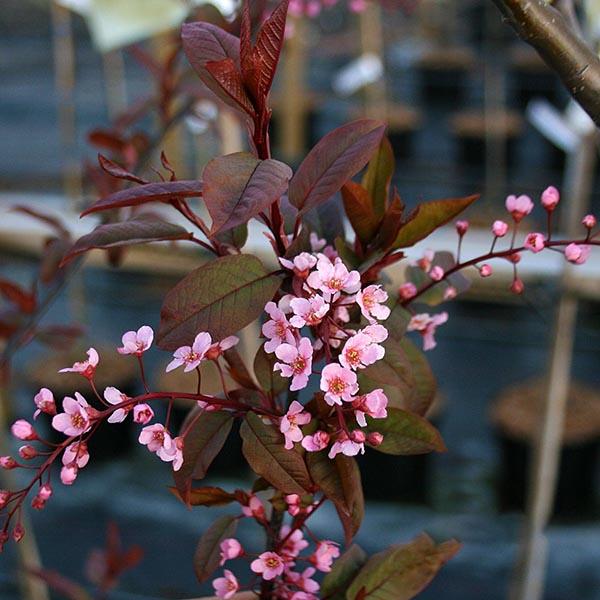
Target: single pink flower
535 242
230 549
225 587
137 342
23 430
407 291
255 508
550 198
426 325
277 329
76 454
304 581
44 400
577 254
87 368
290 424
518 206
348 446
301 265
371 304
316 243
268 564
316 442
589 221
297 362
293 502
172 453
74 420
68 475
373 404
436 273
332 278
115 397
360 351
499 228
377 333
324 555
191 356
142 414
217 349
294 544
338 383
308 311
156 437
485 270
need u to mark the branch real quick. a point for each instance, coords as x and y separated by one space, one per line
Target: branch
546 29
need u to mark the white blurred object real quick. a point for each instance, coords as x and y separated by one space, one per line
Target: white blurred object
564 130
366 69
592 15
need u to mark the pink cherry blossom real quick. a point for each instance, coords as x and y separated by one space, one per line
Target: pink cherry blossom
142 414
293 502
74 420
485 270
87 368
407 291
255 508
324 555
316 243
137 342
331 278
499 228
360 351
371 304
589 221
519 206
172 453
217 349
550 198
436 273
535 242
308 311
191 356
277 329
68 475
304 581
577 253
303 596
348 446
301 265
338 383
225 587
294 544
230 549
377 333
373 404
44 400
76 454
316 442
297 362
290 424
426 325
268 564
156 437
23 430
114 396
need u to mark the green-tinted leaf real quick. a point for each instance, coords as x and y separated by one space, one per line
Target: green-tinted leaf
425 386
208 552
269 380
359 210
429 217
346 253
397 322
203 442
237 369
140 230
401 572
238 187
340 481
220 297
266 455
236 237
205 496
406 433
333 161
344 570
378 176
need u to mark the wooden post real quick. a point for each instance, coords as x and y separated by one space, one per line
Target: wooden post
531 568
372 42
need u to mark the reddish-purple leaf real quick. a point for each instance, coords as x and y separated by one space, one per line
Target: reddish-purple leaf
205 496
333 161
208 551
151 192
378 176
20 297
239 186
140 230
53 222
116 170
220 297
228 77
359 210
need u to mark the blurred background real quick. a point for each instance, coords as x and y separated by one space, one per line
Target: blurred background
471 109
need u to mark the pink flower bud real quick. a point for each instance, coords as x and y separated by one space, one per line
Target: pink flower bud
4 537
23 430
18 532
27 452
499 228
550 198
68 474
514 258
5 496
535 242
142 414
450 293
407 291
45 492
358 436
577 254
485 270
519 206
437 273
589 221
8 463
517 286
375 438
461 227
37 503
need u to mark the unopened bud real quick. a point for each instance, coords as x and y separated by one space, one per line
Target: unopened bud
18 532
375 438
358 436
550 198
27 452
485 270
4 498
407 291
23 430
589 221
8 463
517 286
461 227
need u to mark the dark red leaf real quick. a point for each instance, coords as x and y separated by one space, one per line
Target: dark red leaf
151 192
54 222
116 170
205 496
359 209
20 297
208 551
228 77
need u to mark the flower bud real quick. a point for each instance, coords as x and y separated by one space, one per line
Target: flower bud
27 452
8 463
5 496
18 532
23 430
550 198
68 474
358 436
142 414
499 228
535 242
514 258
437 273
375 438
4 537
450 293
407 291
519 206
589 221
45 492
37 503
517 286
577 254
485 270
461 227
